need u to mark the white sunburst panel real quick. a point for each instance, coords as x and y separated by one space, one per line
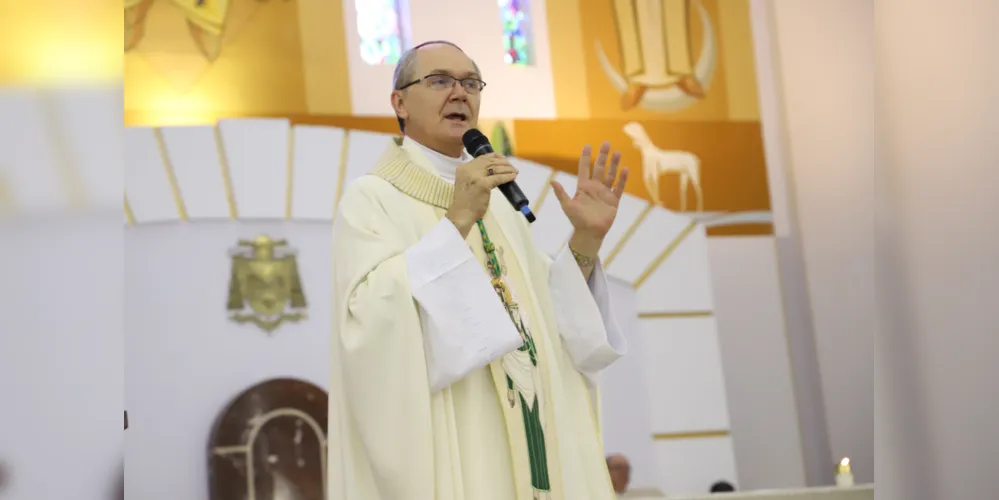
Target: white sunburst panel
316 171
682 282
691 466
90 125
683 364
628 211
257 153
194 159
653 235
147 186
27 153
531 177
363 151
552 229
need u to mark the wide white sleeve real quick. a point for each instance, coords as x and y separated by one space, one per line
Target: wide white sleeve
585 316
465 325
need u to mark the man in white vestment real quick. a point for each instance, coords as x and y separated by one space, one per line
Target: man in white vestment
465 359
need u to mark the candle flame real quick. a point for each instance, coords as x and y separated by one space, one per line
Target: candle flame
845 462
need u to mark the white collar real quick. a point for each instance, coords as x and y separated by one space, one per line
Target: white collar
445 166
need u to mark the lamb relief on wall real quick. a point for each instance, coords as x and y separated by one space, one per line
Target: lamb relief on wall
264 286
657 161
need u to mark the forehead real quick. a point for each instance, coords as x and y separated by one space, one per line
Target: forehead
443 57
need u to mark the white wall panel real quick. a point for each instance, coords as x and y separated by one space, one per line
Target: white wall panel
628 213
754 349
194 156
691 466
831 161
682 282
683 363
89 123
652 236
28 153
316 171
147 184
363 151
552 229
624 396
257 154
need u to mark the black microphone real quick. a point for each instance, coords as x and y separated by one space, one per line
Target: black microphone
477 145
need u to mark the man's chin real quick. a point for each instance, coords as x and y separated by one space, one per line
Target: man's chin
457 128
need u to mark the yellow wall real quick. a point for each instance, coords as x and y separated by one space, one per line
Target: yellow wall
723 129
582 90
278 57
59 42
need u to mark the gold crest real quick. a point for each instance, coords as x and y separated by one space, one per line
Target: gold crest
265 288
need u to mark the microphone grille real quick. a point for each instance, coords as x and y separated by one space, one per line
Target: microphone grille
473 139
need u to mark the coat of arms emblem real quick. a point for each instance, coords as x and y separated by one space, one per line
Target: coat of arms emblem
265 288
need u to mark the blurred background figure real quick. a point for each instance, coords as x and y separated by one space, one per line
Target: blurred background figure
722 487
620 472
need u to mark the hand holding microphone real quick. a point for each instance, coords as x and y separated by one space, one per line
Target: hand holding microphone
475 180
473 183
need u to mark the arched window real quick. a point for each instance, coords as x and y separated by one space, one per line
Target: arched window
516 31
379 25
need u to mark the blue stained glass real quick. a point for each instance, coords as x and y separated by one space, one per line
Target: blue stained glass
378 26
514 15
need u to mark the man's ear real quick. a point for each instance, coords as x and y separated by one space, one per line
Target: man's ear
399 105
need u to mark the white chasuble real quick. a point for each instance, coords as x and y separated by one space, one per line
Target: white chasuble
482 393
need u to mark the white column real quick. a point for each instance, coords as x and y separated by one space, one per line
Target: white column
939 269
827 85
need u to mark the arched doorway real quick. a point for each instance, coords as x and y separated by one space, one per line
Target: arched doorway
269 443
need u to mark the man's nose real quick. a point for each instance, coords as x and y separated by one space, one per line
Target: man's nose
458 92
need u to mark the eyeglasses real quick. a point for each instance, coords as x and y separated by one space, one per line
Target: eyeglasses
446 82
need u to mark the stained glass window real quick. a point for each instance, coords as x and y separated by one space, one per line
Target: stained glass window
380 29
516 40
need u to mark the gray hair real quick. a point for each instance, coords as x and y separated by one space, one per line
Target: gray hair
403 74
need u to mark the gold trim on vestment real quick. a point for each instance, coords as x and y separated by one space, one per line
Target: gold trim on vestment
396 168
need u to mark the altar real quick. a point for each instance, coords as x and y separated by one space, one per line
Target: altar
860 492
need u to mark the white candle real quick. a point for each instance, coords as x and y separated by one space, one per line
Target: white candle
844 476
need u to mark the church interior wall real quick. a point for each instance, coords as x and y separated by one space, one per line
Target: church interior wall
713 305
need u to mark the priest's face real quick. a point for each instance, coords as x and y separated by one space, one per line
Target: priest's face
439 110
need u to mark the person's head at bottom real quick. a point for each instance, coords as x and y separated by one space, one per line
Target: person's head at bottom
722 487
620 472
436 95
